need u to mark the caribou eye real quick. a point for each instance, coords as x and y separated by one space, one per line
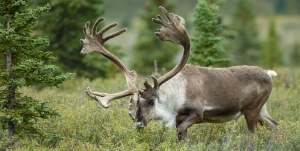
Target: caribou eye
151 103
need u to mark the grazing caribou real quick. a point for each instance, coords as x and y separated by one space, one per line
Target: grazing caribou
187 94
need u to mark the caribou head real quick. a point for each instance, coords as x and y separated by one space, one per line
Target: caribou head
187 94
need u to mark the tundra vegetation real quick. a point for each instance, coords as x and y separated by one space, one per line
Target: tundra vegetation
83 124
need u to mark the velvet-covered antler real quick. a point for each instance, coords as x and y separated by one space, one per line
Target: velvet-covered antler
95 43
173 31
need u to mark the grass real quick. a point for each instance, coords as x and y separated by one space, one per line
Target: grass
85 125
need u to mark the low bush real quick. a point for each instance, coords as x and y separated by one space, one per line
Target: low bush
84 125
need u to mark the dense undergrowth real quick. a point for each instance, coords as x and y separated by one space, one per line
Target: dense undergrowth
84 125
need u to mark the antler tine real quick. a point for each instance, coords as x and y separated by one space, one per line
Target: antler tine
90 95
95 26
88 89
155 81
114 34
149 90
144 94
102 31
181 20
166 13
174 18
147 85
86 30
105 98
171 17
160 20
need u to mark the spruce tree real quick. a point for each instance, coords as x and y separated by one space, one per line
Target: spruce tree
295 55
207 45
23 65
245 46
148 47
272 55
63 24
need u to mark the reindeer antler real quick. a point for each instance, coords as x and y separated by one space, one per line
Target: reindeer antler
149 90
95 43
175 32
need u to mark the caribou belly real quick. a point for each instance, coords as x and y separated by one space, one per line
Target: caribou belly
220 115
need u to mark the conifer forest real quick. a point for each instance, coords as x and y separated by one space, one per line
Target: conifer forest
72 74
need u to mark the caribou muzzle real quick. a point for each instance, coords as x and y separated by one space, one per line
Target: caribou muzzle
139 125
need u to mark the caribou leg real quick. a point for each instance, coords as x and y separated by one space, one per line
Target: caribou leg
190 120
265 118
251 117
252 111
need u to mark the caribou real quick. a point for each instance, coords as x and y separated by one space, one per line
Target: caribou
187 94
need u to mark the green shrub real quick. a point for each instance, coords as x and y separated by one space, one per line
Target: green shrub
85 125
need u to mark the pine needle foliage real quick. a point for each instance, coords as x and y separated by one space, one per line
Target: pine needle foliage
272 54
207 45
246 46
24 65
64 24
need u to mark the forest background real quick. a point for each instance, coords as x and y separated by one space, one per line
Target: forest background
63 24
261 33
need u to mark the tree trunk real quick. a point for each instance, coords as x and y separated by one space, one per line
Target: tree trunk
12 91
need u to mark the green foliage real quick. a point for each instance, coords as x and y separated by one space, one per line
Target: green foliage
295 55
25 114
286 7
85 125
217 2
64 24
245 46
271 54
30 66
206 47
148 47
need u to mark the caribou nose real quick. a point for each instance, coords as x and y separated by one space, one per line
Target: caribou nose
139 125
82 52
